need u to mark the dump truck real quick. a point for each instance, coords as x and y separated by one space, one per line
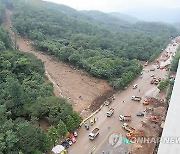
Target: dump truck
110 112
128 128
136 98
94 134
124 117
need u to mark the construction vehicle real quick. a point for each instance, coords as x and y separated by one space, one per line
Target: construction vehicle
135 98
128 128
124 118
154 119
134 133
110 112
94 134
146 102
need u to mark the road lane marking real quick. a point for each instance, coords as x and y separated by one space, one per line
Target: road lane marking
105 139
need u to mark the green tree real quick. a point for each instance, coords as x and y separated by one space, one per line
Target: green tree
163 84
53 134
70 123
62 130
77 119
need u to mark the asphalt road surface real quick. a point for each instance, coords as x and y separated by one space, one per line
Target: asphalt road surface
108 126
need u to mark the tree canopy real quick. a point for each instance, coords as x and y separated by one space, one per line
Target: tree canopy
105 46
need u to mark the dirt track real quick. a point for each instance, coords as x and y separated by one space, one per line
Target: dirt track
77 86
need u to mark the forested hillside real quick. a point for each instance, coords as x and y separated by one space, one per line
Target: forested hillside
103 49
124 17
25 100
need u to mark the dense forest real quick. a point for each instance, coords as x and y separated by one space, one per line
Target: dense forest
105 46
101 44
25 100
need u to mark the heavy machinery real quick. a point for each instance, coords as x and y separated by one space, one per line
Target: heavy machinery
128 128
147 101
94 134
124 117
134 133
154 119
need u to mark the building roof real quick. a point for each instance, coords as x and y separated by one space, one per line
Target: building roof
171 131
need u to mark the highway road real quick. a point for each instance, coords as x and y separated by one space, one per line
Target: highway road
109 126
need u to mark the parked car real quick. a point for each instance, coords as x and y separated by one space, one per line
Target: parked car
86 126
75 133
125 88
72 138
141 114
152 69
65 144
69 141
91 121
135 86
106 103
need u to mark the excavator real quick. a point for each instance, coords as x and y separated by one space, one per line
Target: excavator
147 101
154 118
134 133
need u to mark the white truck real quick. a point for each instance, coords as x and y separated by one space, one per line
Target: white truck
110 112
94 134
128 128
136 98
124 118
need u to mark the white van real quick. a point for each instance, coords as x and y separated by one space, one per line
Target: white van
135 86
